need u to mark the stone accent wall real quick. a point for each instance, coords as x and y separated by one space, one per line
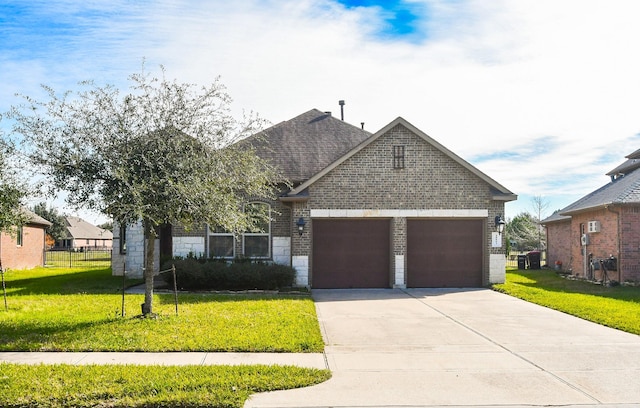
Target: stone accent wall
135 256
281 250
184 245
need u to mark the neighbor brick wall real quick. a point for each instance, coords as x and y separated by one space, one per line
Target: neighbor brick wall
559 243
601 244
29 255
630 243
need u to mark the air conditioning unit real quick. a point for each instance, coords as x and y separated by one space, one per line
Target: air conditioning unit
593 226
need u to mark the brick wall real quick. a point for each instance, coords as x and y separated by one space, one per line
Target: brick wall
630 243
29 254
559 244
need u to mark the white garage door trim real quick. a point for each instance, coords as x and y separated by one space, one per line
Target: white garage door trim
364 213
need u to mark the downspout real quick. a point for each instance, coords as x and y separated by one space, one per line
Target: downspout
618 239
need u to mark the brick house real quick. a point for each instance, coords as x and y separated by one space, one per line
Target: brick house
603 225
26 249
80 235
389 209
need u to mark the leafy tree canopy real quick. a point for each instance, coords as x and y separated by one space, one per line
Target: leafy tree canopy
12 191
58 229
163 153
524 230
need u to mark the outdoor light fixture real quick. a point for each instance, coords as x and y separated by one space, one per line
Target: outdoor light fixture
300 223
499 223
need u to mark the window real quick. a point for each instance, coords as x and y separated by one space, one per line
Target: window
256 242
19 236
221 243
398 157
123 239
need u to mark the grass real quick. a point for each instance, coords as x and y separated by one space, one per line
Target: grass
79 310
145 386
56 309
617 307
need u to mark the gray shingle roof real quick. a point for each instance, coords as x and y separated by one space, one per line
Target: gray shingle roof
303 146
35 219
632 163
623 190
555 217
78 228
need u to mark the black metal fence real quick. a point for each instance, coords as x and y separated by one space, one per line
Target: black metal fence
78 258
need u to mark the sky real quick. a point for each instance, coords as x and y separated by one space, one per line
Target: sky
541 95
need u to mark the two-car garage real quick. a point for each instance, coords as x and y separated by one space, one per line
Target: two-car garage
357 253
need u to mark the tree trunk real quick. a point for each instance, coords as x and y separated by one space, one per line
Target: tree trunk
149 270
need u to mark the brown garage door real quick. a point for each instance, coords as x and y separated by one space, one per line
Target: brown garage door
444 253
351 253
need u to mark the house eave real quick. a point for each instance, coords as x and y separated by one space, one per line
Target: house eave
505 197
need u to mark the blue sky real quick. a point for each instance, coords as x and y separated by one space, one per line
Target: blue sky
541 95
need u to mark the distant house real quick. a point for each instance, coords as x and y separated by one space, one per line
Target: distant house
82 235
390 209
602 226
26 249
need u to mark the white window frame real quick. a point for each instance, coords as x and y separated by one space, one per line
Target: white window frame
213 233
259 234
20 236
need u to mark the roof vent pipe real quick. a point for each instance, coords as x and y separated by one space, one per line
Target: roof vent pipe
341 103
328 113
362 125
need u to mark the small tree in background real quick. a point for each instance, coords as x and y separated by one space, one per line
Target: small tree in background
58 228
162 153
523 229
540 206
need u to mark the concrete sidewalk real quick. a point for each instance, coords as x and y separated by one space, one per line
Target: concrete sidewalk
310 360
463 348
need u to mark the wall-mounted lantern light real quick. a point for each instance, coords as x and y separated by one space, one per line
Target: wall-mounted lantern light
300 223
499 224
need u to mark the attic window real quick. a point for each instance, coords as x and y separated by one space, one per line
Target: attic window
398 157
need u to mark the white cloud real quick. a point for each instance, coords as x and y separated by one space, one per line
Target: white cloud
554 83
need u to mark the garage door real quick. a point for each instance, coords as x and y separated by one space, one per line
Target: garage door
444 253
351 253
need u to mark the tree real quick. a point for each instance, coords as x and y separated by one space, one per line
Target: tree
162 153
523 229
58 228
106 226
540 205
12 192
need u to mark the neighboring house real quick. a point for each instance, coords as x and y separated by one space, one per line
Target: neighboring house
81 235
389 209
26 249
603 225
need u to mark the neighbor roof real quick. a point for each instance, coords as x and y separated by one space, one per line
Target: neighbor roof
623 190
303 146
35 219
77 228
632 163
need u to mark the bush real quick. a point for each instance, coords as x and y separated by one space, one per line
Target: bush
193 274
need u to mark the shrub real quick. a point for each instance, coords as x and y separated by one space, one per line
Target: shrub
192 274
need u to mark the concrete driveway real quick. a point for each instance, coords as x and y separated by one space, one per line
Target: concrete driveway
463 348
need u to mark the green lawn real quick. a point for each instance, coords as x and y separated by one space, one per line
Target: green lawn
617 307
79 310
145 386
54 309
